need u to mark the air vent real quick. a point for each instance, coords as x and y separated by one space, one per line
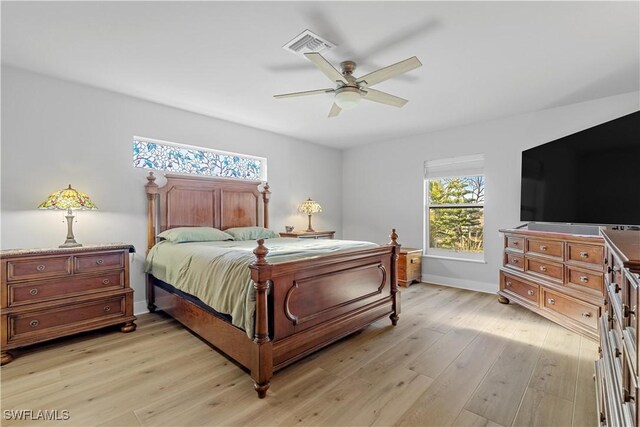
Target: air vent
308 41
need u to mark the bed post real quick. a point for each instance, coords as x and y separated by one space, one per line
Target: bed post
265 205
395 296
262 368
152 190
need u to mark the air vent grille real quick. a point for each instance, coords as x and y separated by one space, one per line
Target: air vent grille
307 41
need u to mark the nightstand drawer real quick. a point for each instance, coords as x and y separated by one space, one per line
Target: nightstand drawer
25 325
36 268
33 292
98 262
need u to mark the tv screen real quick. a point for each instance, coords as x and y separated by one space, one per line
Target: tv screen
590 177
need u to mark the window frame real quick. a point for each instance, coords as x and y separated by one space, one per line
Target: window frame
456 171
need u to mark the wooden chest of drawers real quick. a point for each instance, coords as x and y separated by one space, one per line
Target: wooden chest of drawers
558 275
50 293
409 266
617 369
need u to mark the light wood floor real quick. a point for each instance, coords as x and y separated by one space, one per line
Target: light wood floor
456 358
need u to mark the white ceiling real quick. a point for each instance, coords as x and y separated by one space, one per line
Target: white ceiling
482 60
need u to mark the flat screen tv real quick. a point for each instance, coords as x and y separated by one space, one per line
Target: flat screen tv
590 177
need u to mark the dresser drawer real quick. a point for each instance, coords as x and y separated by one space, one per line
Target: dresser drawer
547 269
515 242
586 280
26 325
572 308
98 262
548 248
524 290
514 261
588 254
38 291
38 268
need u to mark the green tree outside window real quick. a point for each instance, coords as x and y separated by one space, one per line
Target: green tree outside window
456 213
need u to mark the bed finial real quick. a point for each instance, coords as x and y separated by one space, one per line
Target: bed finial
151 186
265 204
261 253
394 238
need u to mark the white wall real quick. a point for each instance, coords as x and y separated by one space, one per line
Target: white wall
383 183
56 133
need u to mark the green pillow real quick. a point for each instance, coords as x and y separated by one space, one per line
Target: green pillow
194 234
251 233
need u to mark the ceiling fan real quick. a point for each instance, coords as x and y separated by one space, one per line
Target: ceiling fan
350 90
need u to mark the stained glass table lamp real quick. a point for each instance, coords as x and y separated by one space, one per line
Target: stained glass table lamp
68 199
309 207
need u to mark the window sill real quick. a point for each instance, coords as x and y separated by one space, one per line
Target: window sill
450 258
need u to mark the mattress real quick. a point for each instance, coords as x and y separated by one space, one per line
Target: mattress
218 274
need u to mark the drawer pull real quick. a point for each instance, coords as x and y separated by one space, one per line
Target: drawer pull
516 243
616 288
626 311
105 281
34 323
508 284
33 291
584 279
40 267
107 308
551 301
99 261
543 248
514 260
587 315
543 268
414 261
584 255
530 292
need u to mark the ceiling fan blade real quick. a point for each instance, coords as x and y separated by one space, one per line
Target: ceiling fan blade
326 67
335 110
384 98
391 71
305 93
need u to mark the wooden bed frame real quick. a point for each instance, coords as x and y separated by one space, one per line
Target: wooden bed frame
301 306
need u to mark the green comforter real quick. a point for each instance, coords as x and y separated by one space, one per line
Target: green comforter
218 272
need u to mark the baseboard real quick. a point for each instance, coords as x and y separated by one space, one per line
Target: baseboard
473 285
140 307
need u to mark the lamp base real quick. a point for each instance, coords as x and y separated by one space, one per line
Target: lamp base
70 245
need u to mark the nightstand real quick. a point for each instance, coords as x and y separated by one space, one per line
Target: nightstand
51 293
309 234
409 266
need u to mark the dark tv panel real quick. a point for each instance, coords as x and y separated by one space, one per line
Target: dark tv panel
590 177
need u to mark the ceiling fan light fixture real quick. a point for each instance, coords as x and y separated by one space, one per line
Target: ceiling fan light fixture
348 98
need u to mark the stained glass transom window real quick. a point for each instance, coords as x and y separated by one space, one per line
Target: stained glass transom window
178 158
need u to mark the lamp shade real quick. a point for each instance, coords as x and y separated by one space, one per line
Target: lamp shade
67 199
347 97
309 207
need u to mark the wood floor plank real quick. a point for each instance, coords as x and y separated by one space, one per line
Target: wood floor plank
469 419
498 396
541 409
556 370
584 409
447 395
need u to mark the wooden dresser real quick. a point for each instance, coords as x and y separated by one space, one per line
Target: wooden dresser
557 275
409 266
309 234
50 293
617 369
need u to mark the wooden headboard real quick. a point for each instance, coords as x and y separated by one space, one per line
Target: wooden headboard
186 201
